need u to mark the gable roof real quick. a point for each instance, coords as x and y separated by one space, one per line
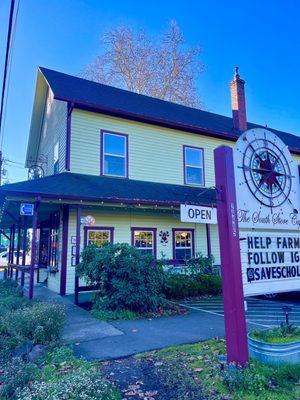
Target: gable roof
71 186
110 100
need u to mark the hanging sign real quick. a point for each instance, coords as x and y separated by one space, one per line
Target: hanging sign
270 262
26 209
198 214
89 220
267 182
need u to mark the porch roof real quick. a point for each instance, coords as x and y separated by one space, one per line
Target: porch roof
93 188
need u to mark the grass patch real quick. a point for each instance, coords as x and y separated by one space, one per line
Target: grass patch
283 334
257 381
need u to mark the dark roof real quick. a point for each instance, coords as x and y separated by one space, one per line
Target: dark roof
101 188
91 95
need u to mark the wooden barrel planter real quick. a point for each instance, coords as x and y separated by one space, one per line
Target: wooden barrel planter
274 353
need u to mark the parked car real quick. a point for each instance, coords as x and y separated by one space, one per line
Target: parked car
4 258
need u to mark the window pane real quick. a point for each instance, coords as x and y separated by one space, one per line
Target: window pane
143 240
193 157
114 144
183 254
114 165
98 237
194 175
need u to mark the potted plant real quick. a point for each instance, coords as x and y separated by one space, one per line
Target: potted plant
276 345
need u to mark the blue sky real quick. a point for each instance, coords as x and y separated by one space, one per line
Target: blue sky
262 38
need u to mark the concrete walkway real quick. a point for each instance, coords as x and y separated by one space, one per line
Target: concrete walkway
146 335
80 325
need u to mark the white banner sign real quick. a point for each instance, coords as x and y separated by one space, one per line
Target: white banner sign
270 262
267 182
198 214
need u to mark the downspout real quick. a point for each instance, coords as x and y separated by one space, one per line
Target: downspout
68 136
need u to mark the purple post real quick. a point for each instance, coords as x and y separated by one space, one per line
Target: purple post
78 225
18 251
12 250
33 250
208 239
64 257
233 297
24 248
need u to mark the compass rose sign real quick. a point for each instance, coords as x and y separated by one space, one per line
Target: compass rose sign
267 182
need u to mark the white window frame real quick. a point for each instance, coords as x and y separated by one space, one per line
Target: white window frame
125 156
186 165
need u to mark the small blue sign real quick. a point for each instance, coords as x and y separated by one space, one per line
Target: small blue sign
26 209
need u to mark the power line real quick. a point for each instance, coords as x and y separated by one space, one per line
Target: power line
11 15
12 44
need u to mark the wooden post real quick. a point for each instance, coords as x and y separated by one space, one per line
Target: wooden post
12 250
233 297
208 239
64 257
33 249
18 251
24 248
78 225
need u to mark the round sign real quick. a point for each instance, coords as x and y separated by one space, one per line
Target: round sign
266 167
90 220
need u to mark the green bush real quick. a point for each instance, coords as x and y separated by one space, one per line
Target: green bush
111 315
246 379
16 374
81 385
180 286
41 323
127 279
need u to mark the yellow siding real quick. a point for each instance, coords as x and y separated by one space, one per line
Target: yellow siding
53 131
155 153
122 223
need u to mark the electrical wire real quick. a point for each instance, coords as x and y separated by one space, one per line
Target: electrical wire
7 72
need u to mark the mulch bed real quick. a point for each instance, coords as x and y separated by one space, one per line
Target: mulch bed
152 378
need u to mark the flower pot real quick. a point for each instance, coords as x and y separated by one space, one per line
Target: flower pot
274 353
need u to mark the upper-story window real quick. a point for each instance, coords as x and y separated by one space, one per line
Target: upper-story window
56 158
114 154
193 165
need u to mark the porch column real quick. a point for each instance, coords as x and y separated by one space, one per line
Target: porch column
6 269
24 246
18 251
77 256
12 250
64 257
208 239
33 249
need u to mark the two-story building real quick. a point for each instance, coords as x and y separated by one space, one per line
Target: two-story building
115 166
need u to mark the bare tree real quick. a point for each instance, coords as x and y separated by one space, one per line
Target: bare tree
167 68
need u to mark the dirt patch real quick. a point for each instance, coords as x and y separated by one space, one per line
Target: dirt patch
149 378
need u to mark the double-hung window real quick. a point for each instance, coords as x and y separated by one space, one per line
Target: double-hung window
98 236
193 165
144 239
114 154
183 244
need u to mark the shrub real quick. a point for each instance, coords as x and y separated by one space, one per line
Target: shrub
110 315
16 374
127 279
246 379
81 385
180 286
200 264
41 323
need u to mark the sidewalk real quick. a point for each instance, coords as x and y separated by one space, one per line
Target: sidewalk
80 325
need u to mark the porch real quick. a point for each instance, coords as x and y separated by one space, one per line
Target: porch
145 214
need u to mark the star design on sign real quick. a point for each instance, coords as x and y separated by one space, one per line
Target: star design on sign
268 174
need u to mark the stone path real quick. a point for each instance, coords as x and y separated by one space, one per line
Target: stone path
80 326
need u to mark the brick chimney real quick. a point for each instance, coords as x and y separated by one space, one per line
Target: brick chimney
238 102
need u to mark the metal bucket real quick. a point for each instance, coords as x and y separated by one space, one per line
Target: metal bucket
274 353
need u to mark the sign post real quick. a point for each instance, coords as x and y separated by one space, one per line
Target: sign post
233 298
